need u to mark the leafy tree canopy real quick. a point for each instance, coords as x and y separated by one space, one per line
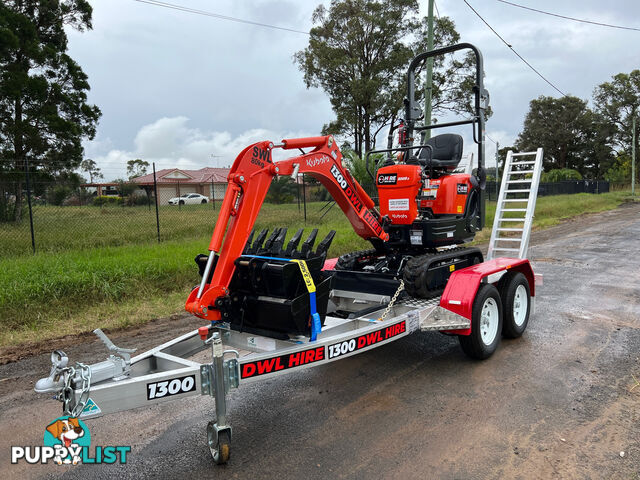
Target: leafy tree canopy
44 114
136 168
358 53
619 101
571 134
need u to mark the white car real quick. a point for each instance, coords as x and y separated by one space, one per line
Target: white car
188 199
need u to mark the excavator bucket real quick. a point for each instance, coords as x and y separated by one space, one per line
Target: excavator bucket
268 294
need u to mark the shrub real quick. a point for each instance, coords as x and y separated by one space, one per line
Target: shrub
107 200
560 174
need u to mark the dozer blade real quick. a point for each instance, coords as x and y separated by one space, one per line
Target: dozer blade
324 245
307 246
293 243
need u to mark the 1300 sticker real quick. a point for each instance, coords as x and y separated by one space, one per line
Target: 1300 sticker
174 386
366 340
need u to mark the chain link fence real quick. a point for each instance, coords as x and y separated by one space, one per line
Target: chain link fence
51 216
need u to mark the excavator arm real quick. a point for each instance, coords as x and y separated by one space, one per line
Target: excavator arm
248 184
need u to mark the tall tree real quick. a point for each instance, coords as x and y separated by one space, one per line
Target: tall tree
358 53
92 169
619 101
136 168
44 114
571 134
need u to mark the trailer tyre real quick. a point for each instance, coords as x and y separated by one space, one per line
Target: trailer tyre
486 324
516 297
219 444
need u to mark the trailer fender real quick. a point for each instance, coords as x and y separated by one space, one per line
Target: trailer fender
463 284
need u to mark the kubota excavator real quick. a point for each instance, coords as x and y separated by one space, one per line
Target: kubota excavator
425 212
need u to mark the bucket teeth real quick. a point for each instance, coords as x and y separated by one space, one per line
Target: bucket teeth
293 243
276 246
257 245
247 246
307 246
324 245
267 245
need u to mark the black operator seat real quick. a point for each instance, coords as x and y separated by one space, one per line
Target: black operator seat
446 153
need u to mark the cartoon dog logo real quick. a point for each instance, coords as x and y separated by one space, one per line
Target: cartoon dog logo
67 431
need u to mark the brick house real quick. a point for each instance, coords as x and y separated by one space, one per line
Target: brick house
173 182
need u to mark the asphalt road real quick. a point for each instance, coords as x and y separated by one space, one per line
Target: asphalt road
557 403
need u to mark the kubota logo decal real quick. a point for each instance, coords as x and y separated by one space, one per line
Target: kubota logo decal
318 160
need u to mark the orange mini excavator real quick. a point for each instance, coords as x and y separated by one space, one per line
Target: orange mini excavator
269 287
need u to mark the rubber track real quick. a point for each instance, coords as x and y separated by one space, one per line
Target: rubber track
348 261
415 281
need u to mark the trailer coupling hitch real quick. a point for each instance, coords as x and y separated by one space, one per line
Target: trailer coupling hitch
116 367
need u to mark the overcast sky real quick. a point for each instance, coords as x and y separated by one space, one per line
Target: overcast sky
189 91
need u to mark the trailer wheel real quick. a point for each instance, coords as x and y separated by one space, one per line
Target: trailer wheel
516 298
486 324
219 444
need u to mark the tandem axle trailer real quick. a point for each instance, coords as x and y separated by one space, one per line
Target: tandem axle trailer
480 304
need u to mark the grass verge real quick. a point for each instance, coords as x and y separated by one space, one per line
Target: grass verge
46 296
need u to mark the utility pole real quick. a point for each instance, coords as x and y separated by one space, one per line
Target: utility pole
497 156
428 84
633 156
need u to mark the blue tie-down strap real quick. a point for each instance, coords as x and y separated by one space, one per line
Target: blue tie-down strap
316 323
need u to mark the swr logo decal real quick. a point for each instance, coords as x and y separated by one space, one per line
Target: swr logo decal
260 157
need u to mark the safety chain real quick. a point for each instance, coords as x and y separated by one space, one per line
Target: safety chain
392 302
68 391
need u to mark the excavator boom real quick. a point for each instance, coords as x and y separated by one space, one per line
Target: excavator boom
248 184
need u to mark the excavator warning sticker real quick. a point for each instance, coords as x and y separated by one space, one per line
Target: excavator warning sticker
366 340
282 362
396 204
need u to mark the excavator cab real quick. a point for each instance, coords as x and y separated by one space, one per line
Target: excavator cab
425 204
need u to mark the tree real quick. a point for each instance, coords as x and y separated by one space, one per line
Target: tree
136 168
44 114
358 53
619 102
92 169
571 135
560 174
282 190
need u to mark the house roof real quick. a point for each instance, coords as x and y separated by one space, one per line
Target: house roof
177 175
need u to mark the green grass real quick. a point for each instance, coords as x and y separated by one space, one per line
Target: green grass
80 288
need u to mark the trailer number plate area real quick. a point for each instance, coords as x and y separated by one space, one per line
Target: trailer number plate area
174 386
366 340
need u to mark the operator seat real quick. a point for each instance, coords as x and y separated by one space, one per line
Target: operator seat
446 153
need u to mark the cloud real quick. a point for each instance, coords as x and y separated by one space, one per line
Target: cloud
173 143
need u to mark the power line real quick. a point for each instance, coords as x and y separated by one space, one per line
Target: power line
437 11
569 18
216 15
514 51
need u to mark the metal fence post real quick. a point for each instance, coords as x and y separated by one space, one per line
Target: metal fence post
26 171
213 194
304 198
155 194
